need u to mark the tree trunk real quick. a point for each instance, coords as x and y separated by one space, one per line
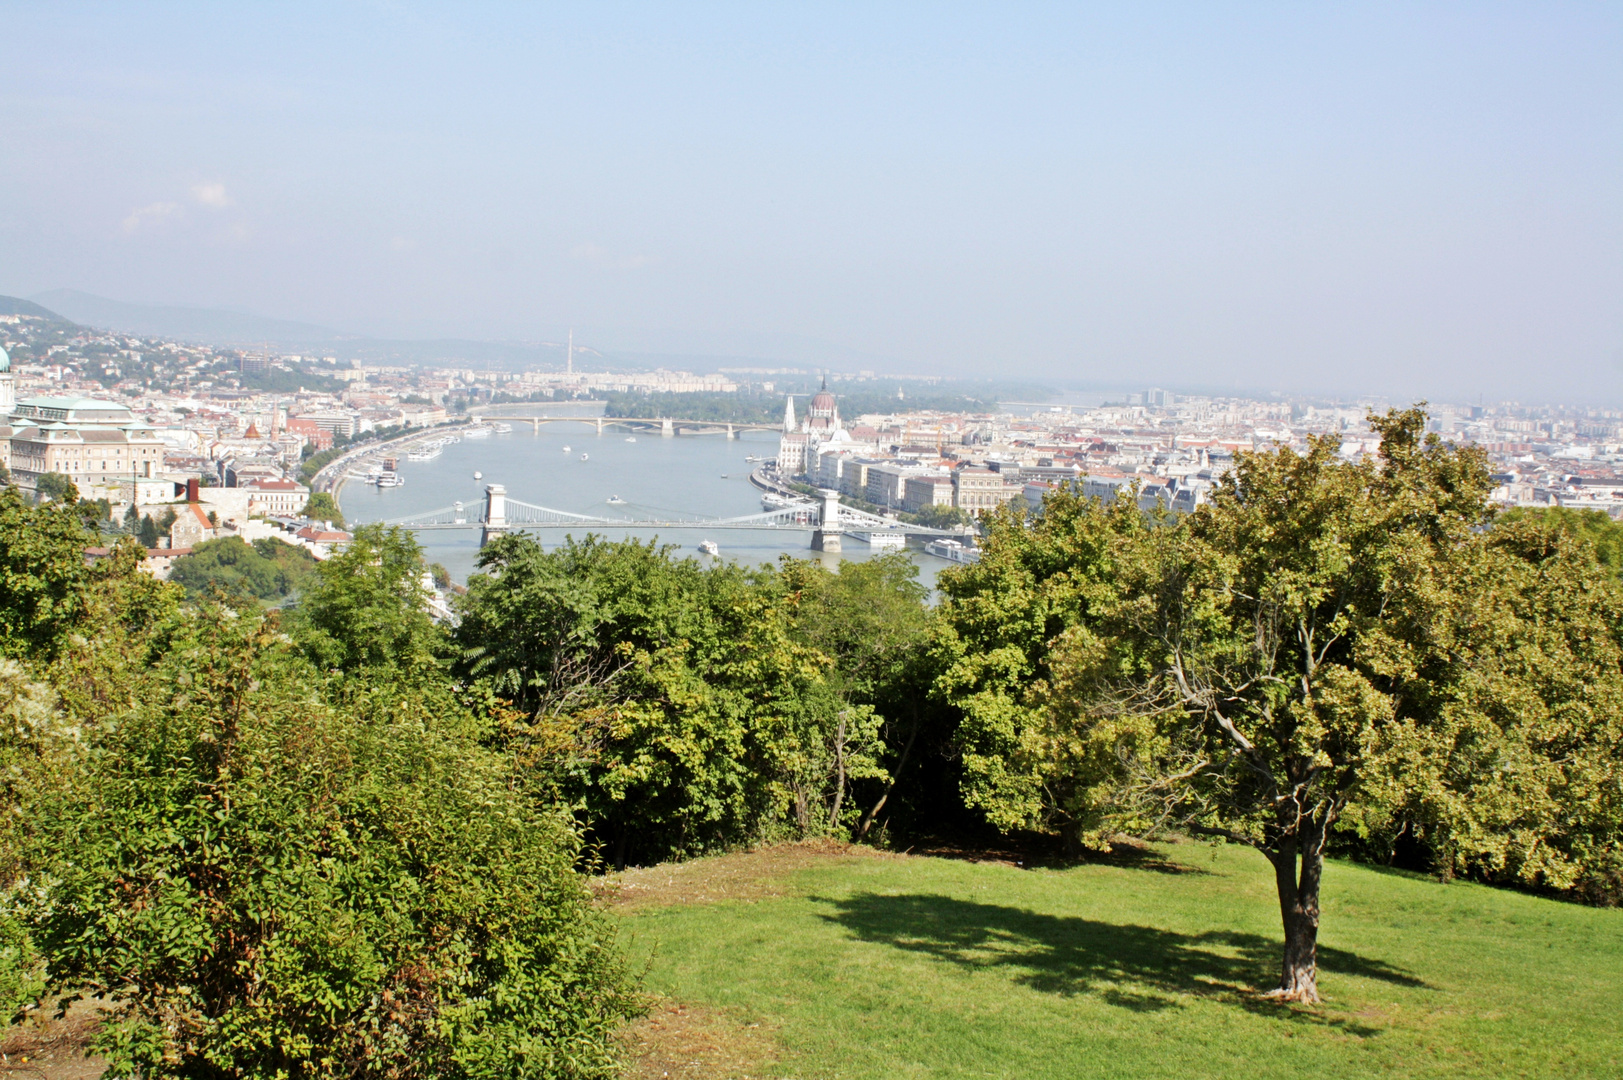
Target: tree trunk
873 811
839 774
1299 911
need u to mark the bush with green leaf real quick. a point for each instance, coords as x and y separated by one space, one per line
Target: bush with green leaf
266 570
671 702
269 885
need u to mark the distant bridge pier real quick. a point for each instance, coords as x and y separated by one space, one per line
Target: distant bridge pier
495 513
730 434
667 429
826 537
600 425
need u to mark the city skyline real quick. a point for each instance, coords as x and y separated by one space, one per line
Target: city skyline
1406 202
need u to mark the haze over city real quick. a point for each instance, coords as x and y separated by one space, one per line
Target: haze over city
1416 200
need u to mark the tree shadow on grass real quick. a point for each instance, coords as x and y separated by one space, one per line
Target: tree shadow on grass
1032 851
1133 967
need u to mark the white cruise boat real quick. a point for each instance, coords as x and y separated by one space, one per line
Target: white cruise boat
615 500
709 547
631 438
389 479
477 431
952 551
583 457
566 449
502 429
773 501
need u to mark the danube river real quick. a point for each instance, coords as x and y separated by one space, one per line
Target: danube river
570 467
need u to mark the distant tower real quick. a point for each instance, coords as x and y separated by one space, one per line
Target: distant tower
789 414
569 355
8 387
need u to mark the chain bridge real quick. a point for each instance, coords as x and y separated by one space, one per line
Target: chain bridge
826 519
663 425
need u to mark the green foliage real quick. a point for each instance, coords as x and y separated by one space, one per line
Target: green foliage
43 576
94 512
870 619
29 732
671 702
323 507
740 408
940 517
318 461
271 885
1593 527
148 532
265 570
363 608
752 406
278 381
1325 645
56 487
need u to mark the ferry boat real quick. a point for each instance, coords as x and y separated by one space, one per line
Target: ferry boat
631 438
389 479
952 551
502 429
424 455
709 547
753 457
883 540
477 431
477 475
724 476
566 449
583 457
773 501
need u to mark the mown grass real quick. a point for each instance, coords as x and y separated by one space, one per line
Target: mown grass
912 967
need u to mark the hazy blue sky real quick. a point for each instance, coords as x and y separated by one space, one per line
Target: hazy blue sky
1403 198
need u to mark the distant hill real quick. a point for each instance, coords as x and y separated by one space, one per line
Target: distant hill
206 325
11 305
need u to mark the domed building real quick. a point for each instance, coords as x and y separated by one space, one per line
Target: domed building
798 447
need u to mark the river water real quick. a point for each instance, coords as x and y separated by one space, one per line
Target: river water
655 476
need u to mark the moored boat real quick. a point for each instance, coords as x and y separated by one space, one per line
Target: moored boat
952 551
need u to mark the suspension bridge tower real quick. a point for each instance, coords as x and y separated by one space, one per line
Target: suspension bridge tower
495 513
826 537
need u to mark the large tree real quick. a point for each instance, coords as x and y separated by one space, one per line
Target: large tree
1327 644
670 701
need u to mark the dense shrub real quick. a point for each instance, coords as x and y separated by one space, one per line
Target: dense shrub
272 886
265 570
674 704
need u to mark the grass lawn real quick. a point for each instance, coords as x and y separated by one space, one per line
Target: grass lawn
789 962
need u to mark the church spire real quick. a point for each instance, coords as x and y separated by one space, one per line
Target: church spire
788 414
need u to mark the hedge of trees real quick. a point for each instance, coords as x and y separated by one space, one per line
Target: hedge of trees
343 838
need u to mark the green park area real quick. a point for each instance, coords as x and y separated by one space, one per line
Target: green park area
861 964
1324 779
